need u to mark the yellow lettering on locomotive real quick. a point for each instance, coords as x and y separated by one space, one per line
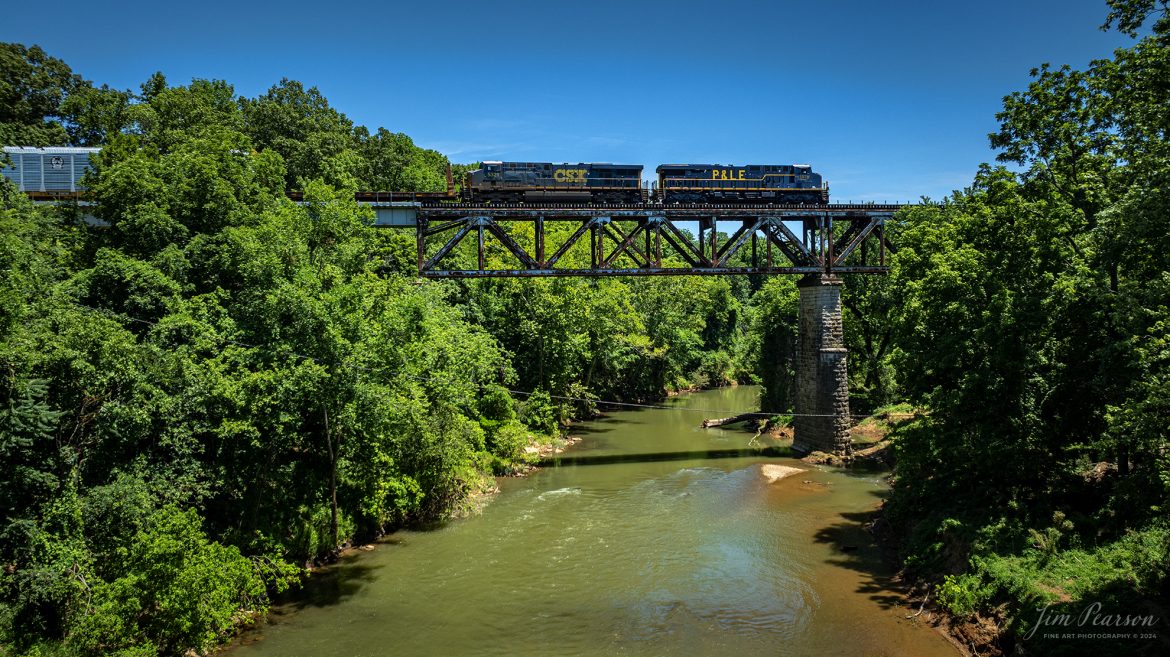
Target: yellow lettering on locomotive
569 175
729 174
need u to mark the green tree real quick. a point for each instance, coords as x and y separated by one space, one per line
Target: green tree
33 86
314 140
771 346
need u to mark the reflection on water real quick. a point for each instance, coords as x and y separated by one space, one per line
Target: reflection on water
650 537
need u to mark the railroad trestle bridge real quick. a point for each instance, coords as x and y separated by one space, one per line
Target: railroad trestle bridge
821 243
632 240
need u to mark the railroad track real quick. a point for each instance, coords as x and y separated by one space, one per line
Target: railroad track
738 208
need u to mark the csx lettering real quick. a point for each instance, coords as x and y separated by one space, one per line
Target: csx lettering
569 175
728 174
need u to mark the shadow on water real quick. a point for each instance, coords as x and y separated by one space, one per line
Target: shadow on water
856 549
331 585
328 587
651 457
865 468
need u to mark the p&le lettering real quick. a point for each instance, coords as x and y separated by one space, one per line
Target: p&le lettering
728 174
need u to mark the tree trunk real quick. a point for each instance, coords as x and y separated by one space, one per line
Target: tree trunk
332 484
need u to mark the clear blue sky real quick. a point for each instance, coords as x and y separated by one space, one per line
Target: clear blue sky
889 100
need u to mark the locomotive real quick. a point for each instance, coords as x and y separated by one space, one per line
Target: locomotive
622 183
545 181
753 183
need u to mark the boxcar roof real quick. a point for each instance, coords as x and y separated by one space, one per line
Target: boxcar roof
51 150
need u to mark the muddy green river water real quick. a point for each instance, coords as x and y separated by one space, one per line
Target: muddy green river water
650 537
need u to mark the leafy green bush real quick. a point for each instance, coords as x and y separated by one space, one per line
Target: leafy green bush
962 595
539 412
174 589
508 440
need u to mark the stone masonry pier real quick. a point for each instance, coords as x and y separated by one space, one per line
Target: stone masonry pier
822 387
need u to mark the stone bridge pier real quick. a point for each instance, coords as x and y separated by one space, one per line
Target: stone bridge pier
822 387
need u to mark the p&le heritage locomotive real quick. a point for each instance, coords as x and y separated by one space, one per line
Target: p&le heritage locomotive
753 183
622 183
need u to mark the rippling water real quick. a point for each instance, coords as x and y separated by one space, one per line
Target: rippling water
651 537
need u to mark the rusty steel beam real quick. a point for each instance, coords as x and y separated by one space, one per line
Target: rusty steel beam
777 224
446 248
435 230
569 243
856 241
538 237
737 240
512 246
643 209
697 253
639 271
479 231
625 243
683 253
850 232
792 248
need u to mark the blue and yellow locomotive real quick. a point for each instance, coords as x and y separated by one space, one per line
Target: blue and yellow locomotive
586 182
753 183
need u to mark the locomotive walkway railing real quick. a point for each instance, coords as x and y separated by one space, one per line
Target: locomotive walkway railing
464 241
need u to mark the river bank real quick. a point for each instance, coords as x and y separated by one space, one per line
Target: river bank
975 636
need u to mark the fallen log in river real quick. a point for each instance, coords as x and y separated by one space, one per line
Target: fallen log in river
742 417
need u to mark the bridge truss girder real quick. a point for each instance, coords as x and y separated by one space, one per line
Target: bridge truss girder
643 242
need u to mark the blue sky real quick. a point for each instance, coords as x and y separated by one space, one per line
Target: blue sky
888 100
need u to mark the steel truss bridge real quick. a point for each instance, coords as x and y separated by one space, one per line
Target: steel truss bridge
644 240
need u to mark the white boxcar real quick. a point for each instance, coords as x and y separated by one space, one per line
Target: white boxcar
49 169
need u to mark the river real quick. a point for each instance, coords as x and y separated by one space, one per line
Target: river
650 537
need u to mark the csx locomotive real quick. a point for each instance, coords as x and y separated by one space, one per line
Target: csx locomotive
622 183
544 181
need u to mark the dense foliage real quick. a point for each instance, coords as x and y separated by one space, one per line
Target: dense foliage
1034 324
